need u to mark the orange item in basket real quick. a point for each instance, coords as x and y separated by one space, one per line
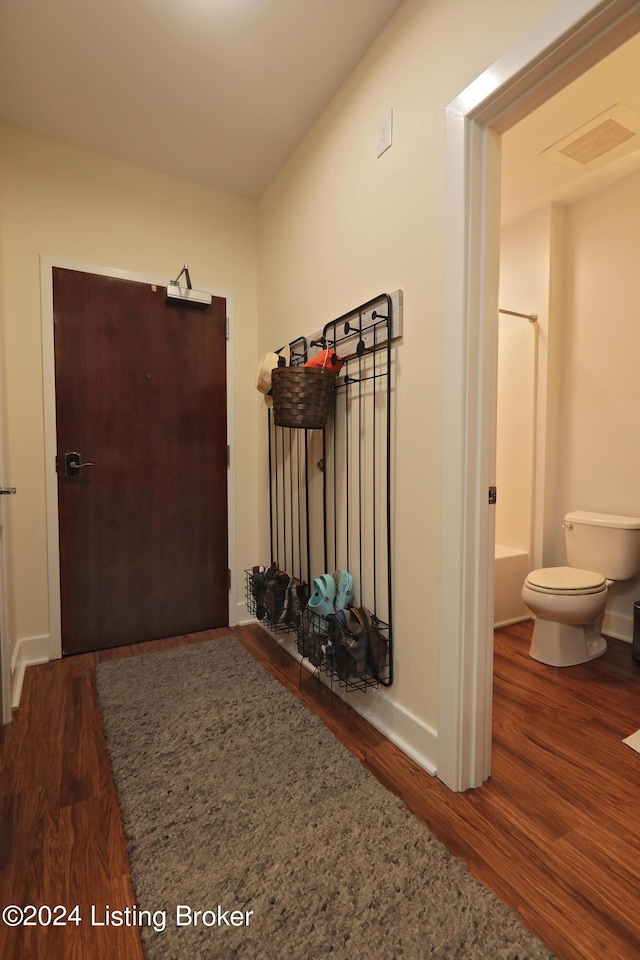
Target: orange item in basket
328 360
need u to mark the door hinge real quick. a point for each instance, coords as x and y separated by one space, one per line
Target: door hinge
229 577
226 328
228 455
493 495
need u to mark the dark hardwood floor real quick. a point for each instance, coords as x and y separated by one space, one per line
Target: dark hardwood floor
555 832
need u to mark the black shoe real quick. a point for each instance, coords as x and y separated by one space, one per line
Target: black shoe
258 588
276 595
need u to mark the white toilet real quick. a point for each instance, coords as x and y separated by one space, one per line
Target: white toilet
569 601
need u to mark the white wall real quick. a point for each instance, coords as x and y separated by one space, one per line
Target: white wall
338 226
600 467
531 281
515 450
64 202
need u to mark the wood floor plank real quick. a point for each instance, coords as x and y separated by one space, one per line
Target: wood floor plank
578 853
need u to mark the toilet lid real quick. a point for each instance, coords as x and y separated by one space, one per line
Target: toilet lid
565 580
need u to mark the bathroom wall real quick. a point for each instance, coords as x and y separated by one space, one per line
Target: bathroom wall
515 449
601 370
61 201
578 265
338 226
531 281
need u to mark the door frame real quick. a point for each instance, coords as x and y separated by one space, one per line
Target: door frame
5 642
47 265
571 38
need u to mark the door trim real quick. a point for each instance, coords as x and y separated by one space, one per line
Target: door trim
47 264
571 38
5 635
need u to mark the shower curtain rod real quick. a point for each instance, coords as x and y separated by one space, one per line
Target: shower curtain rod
531 317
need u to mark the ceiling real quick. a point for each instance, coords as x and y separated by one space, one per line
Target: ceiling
221 92
529 179
216 91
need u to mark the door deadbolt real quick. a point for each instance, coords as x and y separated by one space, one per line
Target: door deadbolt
73 464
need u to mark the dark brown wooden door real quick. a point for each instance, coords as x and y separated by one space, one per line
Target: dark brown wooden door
141 395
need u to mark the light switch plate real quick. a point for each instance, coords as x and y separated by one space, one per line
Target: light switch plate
385 132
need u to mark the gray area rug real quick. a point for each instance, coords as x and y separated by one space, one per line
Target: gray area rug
238 802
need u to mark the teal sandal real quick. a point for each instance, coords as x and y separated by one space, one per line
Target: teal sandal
322 599
344 589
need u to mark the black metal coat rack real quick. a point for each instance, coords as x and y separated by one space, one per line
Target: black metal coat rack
330 489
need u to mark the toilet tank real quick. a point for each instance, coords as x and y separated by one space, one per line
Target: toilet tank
604 543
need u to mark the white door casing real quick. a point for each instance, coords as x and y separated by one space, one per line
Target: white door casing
5 653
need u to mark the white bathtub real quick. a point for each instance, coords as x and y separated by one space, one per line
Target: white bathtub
511 567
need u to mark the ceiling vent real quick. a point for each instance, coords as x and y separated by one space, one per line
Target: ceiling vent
610 135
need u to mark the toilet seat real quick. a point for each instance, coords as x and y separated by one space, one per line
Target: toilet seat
566 581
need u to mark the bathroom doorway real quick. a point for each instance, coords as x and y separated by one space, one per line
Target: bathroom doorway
566 43
562 223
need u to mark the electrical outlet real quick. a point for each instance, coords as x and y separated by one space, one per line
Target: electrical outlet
385 133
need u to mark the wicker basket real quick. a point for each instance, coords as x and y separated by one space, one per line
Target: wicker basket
302 396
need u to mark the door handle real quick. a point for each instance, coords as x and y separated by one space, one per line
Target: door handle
7 490
73 464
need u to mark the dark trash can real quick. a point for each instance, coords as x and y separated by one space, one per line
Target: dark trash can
635 653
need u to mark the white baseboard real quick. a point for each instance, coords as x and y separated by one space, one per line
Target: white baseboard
509 623
410 734
618 626
26 653
243 616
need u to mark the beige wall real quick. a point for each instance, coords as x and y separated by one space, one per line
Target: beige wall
600 460
338 226
64 202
